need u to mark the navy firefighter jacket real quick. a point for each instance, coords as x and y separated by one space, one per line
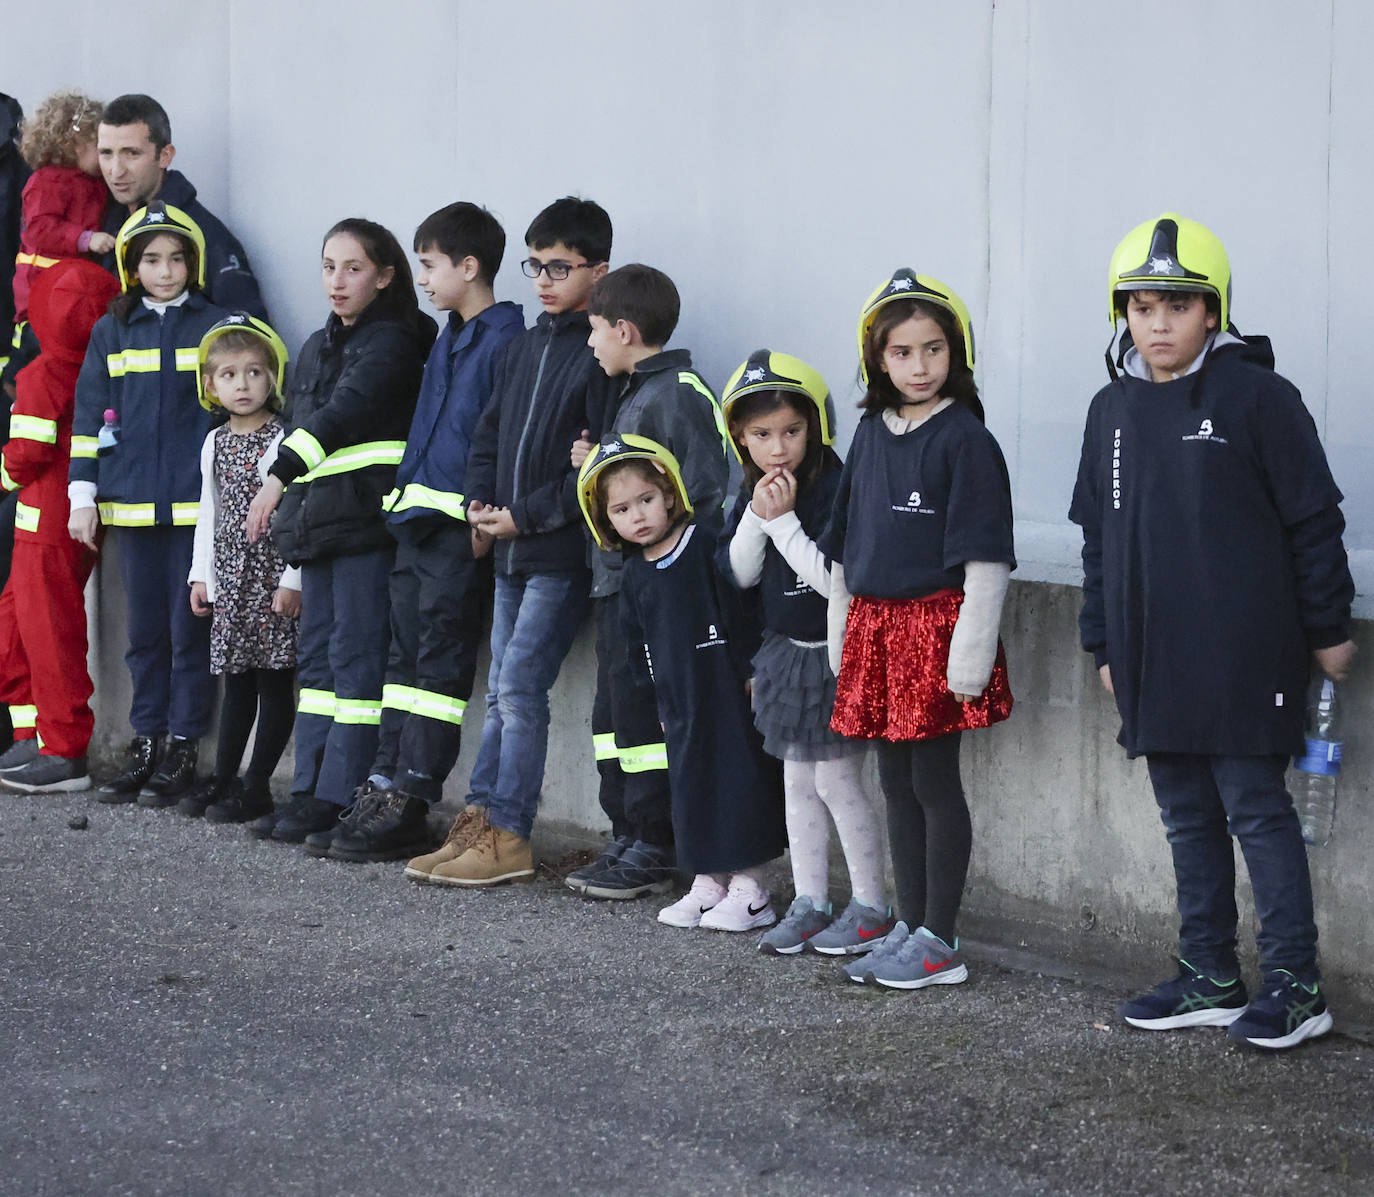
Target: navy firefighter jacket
145 371
457 384
1212 555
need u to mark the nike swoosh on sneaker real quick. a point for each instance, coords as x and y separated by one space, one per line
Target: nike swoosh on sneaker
935 968
872 934
753 910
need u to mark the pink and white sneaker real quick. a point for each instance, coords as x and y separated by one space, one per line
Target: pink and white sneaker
705 894
745 907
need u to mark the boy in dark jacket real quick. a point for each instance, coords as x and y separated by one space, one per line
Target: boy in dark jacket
633 312
522 494
1213 571
437 586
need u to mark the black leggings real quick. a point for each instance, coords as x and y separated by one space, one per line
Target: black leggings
269 695
929 830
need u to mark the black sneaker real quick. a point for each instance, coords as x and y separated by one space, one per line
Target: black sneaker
579 879
140 759
49 775
303 816
1286 1013
1190 1000
394 827
203 795
641 869
19 754
365 797
176 773
242 804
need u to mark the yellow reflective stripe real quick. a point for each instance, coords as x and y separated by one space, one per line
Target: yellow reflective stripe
4 361
128 515
133 361
23 716
184 513
603 745
697 385
316 702
18 338
6 482
643 758
26 517
23 259
188 357
398 698
357 710
84 446
430 704
450 502
33 428
357 457
306 447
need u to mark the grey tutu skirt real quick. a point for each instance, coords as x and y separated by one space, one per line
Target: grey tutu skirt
794 695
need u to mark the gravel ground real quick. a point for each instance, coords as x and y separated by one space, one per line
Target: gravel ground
187 1011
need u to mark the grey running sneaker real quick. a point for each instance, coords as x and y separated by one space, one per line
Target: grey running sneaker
605 860
859 929
923 959
799 924
861 970
49 775
18 754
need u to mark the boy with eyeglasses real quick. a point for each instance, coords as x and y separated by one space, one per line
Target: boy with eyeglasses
522 498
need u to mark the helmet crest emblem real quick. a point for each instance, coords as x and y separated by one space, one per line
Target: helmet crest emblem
902 284
757 374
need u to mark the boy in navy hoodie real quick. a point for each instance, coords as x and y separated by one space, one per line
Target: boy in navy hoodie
437 586
1214 574
522 505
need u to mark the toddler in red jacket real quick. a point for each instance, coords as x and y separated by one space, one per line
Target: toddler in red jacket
63 205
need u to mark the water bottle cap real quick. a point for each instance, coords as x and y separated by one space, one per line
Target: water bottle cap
111 415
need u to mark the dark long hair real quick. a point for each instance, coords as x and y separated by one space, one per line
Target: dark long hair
122 306
397 299
959 386
765 403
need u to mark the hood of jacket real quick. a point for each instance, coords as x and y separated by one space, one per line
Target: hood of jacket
66 301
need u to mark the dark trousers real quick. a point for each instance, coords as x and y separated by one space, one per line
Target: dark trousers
631 754
438 596
340 662
169 647
1204 801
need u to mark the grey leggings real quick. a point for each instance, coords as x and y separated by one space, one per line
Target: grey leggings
928 827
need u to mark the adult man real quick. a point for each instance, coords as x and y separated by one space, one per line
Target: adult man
134 142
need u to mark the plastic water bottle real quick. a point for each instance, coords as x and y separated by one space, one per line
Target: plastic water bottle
1319 768
108 436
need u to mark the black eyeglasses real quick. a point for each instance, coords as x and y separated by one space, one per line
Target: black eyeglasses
557 271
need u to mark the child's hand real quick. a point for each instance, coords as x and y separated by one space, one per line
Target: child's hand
83 524
286 601
1335 661
498 522
1105 673
261 509
101 243
581 448
775 494
200 603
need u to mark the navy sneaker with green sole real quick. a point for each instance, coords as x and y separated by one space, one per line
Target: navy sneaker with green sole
1191 999
1284 1014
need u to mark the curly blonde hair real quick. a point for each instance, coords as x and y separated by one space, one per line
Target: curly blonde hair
63 123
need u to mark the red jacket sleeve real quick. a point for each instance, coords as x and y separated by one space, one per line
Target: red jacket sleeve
56 211
35 427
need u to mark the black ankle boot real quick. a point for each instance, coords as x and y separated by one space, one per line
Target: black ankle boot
176 773
139 761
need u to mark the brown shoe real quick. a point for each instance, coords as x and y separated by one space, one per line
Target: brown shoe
470 821
495 855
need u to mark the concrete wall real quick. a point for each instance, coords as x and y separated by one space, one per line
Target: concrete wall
778 159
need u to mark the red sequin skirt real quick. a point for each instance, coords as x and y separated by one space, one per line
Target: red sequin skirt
892 676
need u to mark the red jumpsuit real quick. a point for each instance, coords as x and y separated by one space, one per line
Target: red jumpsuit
61 207
43 675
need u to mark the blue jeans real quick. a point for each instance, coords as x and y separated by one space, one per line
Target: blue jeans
1204 801
533 622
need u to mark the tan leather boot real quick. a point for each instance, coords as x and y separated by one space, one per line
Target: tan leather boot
495 855
470 821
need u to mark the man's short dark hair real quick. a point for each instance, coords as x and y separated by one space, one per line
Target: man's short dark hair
640 294
464 230
582 225
136 108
